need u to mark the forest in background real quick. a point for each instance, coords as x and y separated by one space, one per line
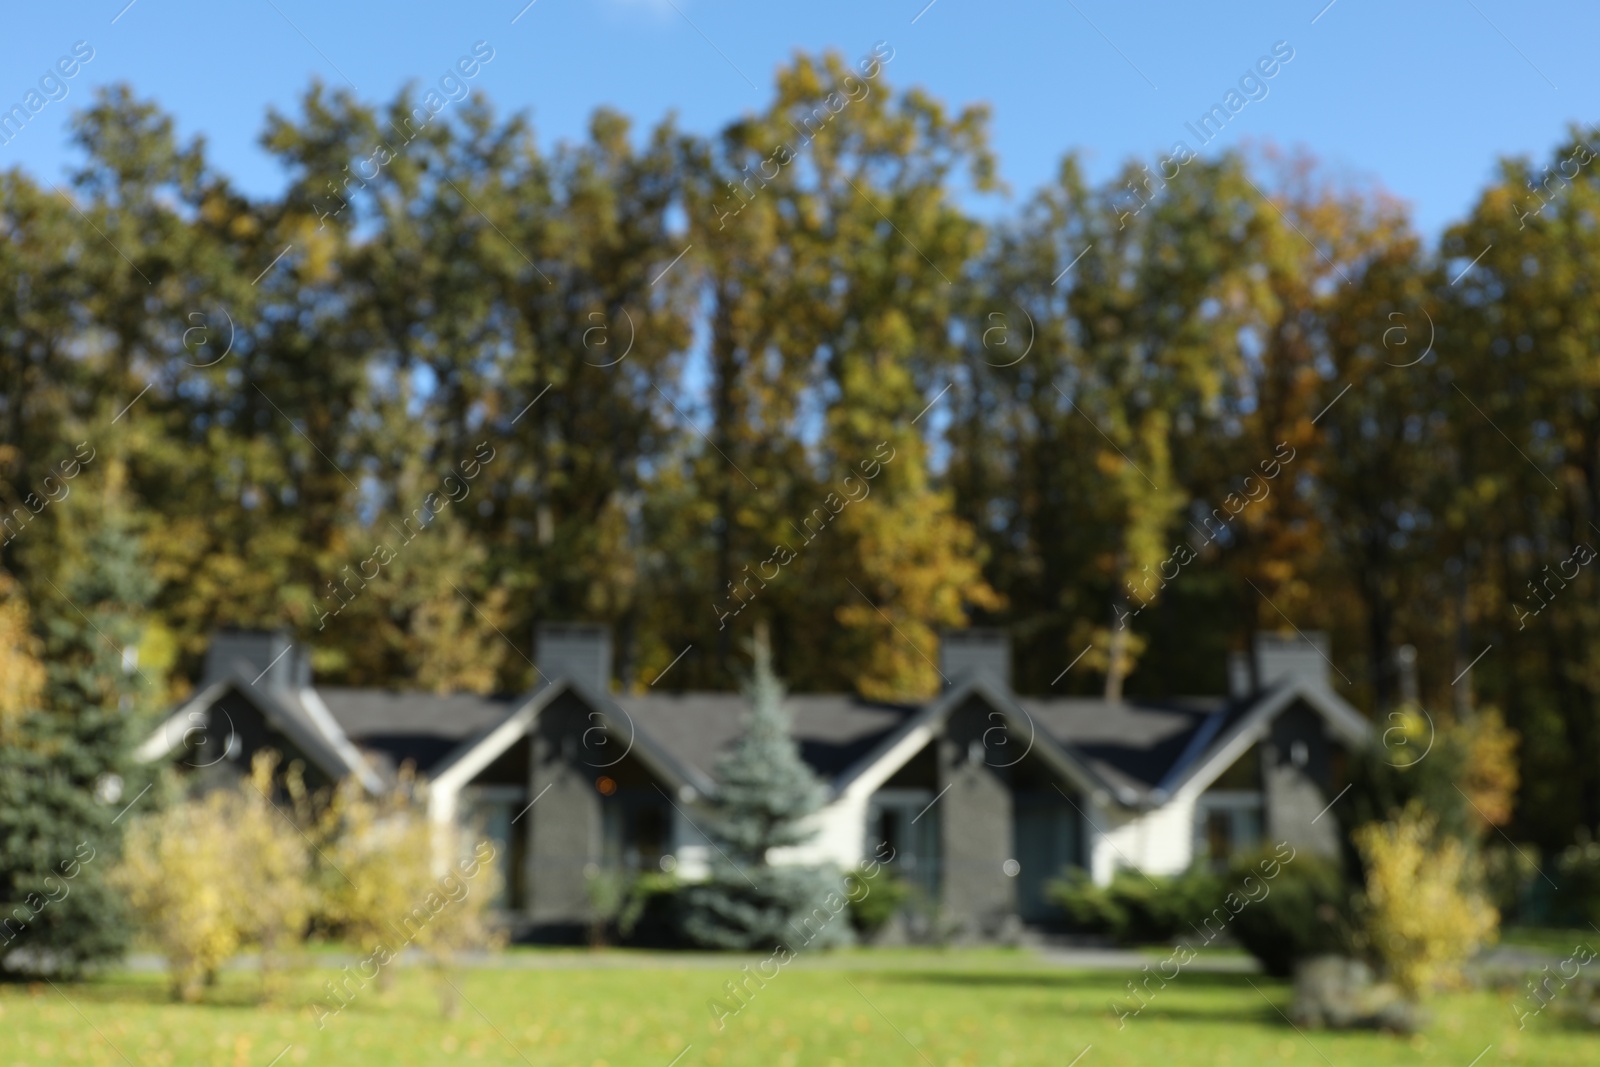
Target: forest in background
450 384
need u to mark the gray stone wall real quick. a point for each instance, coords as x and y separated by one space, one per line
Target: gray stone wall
563 827
976 818
1296 793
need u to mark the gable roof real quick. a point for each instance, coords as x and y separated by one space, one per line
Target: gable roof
1137 753
297 714
475 753
679 737
1235 733
891 752
392 728
834 731
1131 745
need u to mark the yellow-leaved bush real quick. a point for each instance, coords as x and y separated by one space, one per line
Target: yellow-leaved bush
1421 916
234 869
271 864
176 875
1490 777
384 856
217 873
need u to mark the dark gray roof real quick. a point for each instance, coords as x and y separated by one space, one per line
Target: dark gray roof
834 731
280 711
1139 749
420 727
1132 744
279 704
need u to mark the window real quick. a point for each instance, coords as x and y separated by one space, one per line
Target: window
1228 817
904 820
1228 823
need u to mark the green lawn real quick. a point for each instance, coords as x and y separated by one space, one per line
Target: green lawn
958 1010
1558 942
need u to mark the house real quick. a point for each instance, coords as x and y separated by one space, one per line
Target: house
984 795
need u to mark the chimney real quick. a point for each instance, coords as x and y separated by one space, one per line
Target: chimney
266 658
580 652
972 651
1303 656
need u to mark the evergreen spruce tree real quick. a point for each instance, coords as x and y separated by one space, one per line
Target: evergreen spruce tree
66 770
765 793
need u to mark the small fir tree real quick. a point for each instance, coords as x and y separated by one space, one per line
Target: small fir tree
766 792
66 768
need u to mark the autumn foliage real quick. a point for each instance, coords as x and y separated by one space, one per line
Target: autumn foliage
215 874
1422 916
242 867
1080 388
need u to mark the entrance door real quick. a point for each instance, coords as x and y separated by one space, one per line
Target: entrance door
487 813
1047 840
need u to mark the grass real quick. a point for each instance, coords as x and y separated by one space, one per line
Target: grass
899 1009
1557 941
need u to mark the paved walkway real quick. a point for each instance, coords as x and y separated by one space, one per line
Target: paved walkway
1513 959
1086 959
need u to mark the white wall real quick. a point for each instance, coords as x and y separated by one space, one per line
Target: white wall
842 824
1159 841
841 830
840 827
690 847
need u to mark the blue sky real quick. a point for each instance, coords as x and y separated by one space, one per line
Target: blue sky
1419 98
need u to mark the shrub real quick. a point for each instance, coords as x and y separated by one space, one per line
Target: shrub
380 869
1512 881
460 906
387 857
1490 774
176 872
1386 778
232 869
1088 908
1421 919
1464 774
1306 912
1160 912
385 889
651 901
879 896
1135 908
212 875
1578 877
619 901
607 892
274 897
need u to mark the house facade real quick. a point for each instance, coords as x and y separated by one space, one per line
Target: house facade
983 795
